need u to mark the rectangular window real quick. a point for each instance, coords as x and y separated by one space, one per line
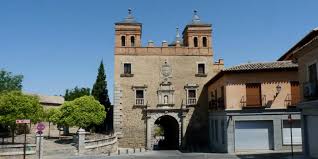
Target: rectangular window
192 99
253 95
139 97
312 73
201 68
127 68
222 91
221 99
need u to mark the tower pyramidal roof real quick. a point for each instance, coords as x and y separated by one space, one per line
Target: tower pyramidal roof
196 19
130 19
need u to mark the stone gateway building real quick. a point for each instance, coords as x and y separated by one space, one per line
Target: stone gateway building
160 101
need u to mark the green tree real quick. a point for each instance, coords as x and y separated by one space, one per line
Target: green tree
52 115
80 112
158 130
71 94
15 105
100 93
10 82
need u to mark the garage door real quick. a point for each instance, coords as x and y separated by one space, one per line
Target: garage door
312 131
253 135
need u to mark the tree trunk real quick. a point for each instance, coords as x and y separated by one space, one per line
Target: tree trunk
66 130
12 133
49 129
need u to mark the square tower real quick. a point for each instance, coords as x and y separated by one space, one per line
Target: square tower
197 34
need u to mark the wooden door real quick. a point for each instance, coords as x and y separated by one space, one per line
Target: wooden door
295 93
253 94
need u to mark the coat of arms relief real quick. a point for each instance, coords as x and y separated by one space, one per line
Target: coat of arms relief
166 73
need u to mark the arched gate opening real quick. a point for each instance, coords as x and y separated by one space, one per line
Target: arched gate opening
166 133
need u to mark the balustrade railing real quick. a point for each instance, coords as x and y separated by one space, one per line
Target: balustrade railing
140 101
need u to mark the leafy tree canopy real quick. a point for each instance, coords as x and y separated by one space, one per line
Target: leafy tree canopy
16 105
76 93
81 112
10 82
52 115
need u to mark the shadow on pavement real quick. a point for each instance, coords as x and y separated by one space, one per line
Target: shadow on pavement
297 155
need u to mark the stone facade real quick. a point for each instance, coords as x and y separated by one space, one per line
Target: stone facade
153 81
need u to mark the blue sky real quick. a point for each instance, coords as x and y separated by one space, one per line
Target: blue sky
58 44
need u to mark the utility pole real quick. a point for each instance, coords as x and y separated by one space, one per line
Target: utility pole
290 120
24 146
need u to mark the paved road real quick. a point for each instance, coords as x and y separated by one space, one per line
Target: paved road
179 155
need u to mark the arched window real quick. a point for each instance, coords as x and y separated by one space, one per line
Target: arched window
123 41
132 41
165 99
195 42
204 42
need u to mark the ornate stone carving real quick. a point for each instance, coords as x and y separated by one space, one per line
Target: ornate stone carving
165 95
166 72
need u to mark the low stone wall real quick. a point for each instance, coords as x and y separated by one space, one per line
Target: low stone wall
17 149
104 144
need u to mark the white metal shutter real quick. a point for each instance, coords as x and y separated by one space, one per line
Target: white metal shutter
296 128
253 135
312 131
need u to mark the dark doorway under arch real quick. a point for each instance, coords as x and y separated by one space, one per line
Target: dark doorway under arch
167 134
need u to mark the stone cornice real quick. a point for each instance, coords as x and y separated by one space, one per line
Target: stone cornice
163 51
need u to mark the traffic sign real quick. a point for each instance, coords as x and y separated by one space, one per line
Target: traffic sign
40 127
23 121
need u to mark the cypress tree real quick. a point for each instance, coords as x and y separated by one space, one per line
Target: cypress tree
100 93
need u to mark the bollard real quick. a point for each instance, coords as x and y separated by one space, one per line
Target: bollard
81 141
127 151
39 146
118 152
108 153
140 149
134 150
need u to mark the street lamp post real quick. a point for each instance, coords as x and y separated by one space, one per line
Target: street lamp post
290 121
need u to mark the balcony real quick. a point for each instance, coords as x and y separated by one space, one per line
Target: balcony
221 103
191 101
217 104
253 101
213 104
140 101
310 90
292 100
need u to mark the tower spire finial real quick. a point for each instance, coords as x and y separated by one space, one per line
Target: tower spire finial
177 33
195 18
129 11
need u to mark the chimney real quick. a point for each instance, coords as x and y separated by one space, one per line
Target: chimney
220 62
150 43
164 43
178 43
